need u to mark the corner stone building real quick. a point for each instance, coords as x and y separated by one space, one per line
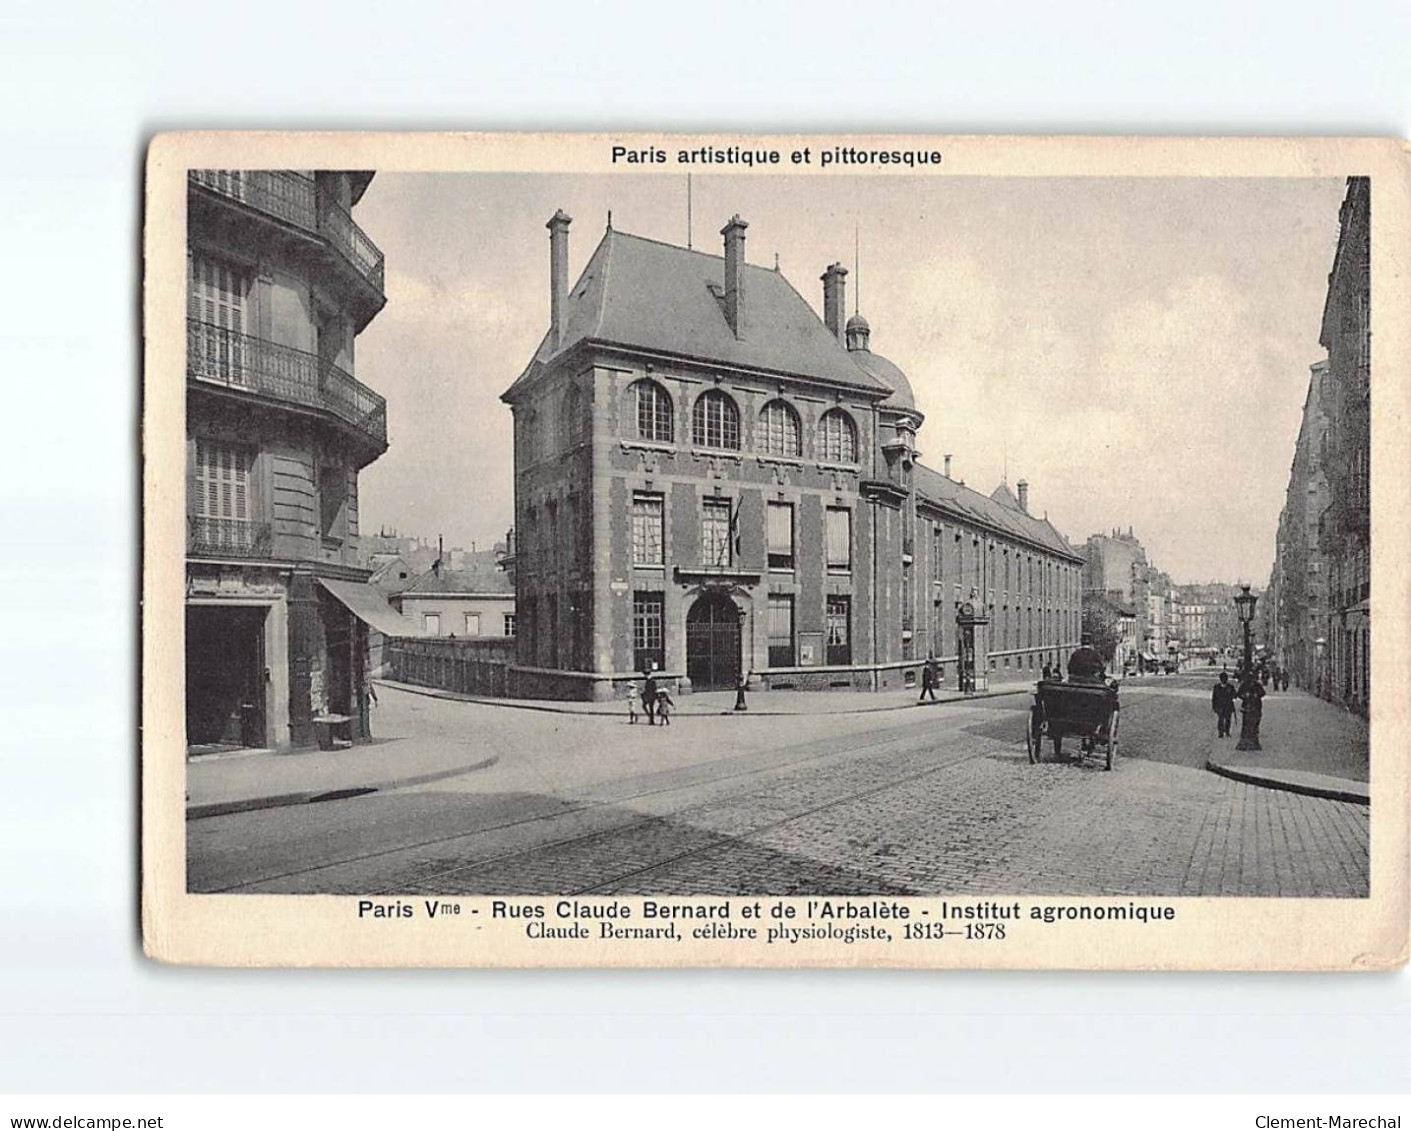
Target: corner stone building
712 482
281 280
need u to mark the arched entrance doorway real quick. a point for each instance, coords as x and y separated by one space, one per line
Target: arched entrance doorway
713 642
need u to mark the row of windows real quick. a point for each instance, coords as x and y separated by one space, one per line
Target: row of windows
715 423
431 624
1021 572
648 639
720 533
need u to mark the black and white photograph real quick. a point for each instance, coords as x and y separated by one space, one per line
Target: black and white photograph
716 532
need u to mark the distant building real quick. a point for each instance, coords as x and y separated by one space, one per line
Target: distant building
281 280
713 482
464 603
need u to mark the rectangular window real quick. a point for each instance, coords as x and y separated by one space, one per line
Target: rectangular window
431 624
648 653
647 529
222 486
938 553
839 539
781 630
472 624
217 319
715 532
509 624
781 535
332 501
839 626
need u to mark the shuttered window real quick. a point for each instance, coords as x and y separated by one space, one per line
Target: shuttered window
781 535
222 480
839 539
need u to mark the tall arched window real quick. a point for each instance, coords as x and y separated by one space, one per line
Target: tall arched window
715 421
655 418
573 417
837 437
779 429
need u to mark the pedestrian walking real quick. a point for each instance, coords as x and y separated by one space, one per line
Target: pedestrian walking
649 698
928 680
1222 702
1284 676
634 700
664 707
1048 672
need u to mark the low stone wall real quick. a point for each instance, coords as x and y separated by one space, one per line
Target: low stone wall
467 666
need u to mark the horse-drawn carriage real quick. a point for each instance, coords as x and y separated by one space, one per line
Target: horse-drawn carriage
1086 711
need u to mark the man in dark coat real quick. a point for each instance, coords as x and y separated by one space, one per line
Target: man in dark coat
928 679
649 698
1222 702
1085 664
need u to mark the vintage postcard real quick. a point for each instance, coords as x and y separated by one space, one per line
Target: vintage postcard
595 550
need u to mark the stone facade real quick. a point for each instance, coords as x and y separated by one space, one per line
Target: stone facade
1318 608
713 482
280 282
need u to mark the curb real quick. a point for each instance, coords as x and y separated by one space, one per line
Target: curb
312 797
1248 777
546 708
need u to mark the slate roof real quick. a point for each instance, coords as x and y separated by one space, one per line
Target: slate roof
641 293
889 374
478 581
951 496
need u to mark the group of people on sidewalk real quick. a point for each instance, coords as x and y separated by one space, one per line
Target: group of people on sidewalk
1249 694
654 699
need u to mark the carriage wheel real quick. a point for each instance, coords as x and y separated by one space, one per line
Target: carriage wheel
1034 736
1112 741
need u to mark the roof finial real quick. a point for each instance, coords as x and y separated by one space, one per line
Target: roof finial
609 219
776 262
1004 475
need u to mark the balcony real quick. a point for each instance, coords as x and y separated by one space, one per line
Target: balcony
227 537
300 201
220 357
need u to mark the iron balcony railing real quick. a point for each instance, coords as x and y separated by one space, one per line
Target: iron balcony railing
227 537
299 200
217 356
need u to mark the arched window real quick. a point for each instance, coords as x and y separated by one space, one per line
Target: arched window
837 437
655 418
715 421
779 429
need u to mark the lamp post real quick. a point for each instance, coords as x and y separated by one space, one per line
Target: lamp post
1250 690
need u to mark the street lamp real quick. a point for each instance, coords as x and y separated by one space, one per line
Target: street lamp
1250 690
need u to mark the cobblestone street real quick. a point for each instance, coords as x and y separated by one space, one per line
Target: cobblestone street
936 800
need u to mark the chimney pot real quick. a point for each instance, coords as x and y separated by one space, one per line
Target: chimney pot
558 274
947 459
1024 495
734 233
835 299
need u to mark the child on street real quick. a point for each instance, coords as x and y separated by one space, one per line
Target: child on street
634 697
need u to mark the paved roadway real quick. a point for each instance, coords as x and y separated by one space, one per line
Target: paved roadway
929 800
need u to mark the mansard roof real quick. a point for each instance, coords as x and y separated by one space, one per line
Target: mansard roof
639 293
948 495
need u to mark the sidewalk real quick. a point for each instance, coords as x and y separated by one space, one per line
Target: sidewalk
758 703
1308 746
423 749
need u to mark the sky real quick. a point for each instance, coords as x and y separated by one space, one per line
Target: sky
1137 349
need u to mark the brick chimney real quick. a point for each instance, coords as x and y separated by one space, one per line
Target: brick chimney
947 459
558 274
734 233
834 299
1024 495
